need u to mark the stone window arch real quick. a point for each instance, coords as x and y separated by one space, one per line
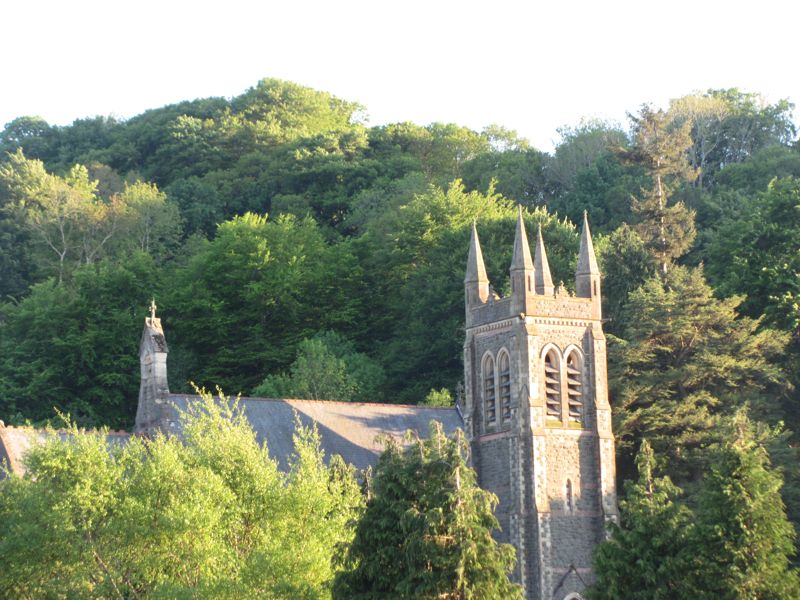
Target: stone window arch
552 383
504 383
574 391
489 390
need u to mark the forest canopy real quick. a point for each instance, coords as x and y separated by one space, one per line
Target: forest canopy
278 229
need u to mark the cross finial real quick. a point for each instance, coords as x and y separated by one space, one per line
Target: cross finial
153 308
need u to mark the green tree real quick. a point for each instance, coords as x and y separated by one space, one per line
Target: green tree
647 554
685 359
426 529
150 223
206 516
441 397
755 254
667 230
516 174
74 347
579 148
735 543
259 288
751 125
70 223
625 264
744 542
327 367
33 135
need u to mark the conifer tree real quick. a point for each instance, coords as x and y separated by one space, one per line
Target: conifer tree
667 230
426 531
645 556
736 544
743 540
686 360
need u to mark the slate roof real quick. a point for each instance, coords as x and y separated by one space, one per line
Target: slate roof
16 441
350 429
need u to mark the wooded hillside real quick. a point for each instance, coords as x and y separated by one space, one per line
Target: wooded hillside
277 231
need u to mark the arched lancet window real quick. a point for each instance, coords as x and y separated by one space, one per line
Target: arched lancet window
575 386
489 393
569 500
503 367
552 384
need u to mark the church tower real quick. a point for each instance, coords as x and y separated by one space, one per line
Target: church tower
537 414
153 412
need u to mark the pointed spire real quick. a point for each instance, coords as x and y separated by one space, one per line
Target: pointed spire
542 278
587 263
476 272
521 259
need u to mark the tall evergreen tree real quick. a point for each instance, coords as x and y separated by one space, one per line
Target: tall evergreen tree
667 230
646 556
686 359
743 540
426 531
736 544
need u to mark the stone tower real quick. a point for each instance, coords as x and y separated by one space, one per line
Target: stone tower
153 412
537 413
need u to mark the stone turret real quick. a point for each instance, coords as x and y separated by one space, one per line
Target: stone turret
153 412
476 283
522 271
543 279
587 274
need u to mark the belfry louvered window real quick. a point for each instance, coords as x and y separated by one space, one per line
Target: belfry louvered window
503 366
489 392
574 387
552 385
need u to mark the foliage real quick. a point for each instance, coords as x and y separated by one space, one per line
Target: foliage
208 516
150 223
426 529
75 348
660 148
417 257
684 359
755 254
441 397
580 148
72 225
735 542
259 288
647 555
327 367
625 264
744 540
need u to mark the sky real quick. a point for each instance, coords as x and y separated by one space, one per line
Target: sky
530 66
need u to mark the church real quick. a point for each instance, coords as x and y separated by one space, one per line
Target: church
535 410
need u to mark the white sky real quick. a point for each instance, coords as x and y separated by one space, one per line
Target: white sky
529 65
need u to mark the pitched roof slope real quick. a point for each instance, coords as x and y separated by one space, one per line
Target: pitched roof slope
16 441
350 429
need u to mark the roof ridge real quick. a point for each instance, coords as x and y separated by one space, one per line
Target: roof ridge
262 399
59 430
